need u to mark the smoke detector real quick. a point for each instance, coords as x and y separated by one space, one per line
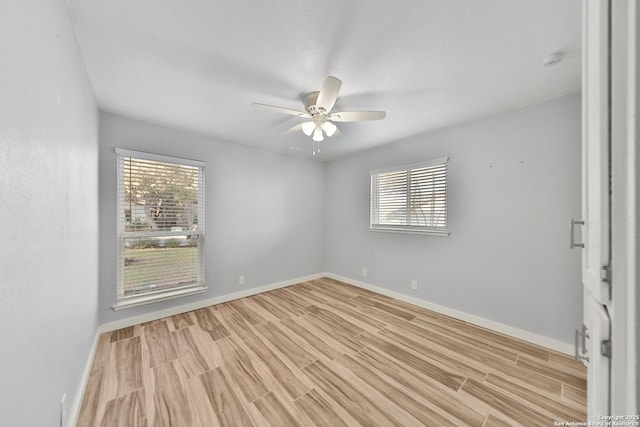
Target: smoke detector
552 59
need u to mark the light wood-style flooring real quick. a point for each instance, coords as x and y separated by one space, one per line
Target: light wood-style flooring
323 353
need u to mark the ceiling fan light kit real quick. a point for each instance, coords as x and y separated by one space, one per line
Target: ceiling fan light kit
329 128
317 135
318 107
308 128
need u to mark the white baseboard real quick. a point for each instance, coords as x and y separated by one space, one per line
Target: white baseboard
172 311
74 413
551 343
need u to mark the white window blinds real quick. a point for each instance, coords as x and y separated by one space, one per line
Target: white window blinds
410 199
160 225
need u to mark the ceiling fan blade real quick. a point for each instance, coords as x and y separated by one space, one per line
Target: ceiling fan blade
284 110
328 93
293 129
357 116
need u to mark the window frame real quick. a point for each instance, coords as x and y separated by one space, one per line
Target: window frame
127 301
405 228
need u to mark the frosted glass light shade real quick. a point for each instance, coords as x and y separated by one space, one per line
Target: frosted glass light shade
329 128
308 127
317 135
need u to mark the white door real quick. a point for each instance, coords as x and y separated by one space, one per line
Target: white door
595 148
597 344
593 343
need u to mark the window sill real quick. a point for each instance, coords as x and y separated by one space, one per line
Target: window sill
149 299
441 233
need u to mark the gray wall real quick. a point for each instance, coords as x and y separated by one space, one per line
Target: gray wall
264 211
49 215
514 184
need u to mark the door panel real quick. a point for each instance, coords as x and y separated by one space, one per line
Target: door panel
596 177
598 368
595 148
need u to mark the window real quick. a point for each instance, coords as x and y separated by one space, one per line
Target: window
160 227
410 199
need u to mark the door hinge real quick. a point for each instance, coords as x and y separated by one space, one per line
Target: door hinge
605 273
605 276
605 348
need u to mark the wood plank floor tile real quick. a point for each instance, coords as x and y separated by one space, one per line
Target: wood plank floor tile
93 395
383 316
567 361
122 334
159 343
468 351
420 364
504 403
209 323
323 353
269 306
235 323
412 330
394 394
363 321
494 421
289 301
531 378
553 372
279 370
388 308
223 401
445 400
128 364
337 322
443 360
304 293
559 410
320 412
313 340
356 401
487 345
340 342
292 310
183 320
346 340
329 289
575 395
250 315
242 369
192 358
126 411
496 338
170 404
275 413
418 311
294 351
331 298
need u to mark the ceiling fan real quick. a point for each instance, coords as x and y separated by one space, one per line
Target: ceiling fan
317 109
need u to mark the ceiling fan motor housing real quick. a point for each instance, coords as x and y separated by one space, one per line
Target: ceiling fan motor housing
309 101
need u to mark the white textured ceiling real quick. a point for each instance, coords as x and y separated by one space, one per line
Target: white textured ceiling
199 64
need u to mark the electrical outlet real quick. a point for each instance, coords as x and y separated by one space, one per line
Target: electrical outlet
414 284
364 272
63 409
241 280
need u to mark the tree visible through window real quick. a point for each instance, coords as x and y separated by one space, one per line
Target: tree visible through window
160 224
410 199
